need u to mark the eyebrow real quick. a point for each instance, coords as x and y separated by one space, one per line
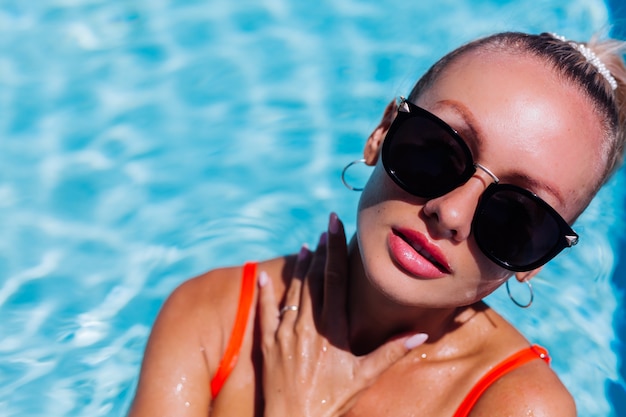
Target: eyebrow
468 118
472 125
539 185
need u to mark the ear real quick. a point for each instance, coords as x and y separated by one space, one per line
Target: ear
375 140
527 275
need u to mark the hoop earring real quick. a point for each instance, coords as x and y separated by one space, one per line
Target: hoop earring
343 175
517 303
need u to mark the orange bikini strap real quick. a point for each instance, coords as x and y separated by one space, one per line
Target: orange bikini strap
231 354
512 362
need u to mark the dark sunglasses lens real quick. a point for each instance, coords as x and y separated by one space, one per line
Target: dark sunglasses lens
516 230
424 158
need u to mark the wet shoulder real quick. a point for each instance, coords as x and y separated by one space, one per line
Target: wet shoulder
209 302
530 389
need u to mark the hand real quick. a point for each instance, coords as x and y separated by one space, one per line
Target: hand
308 368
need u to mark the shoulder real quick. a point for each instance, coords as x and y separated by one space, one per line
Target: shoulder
205 293
209 302
193 319
176 351
188 339
196 302
532 389
206 305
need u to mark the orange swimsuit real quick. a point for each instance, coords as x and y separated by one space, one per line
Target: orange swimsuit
245 303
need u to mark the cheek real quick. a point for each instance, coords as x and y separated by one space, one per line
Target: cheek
488 286
380 189
369 205
374 190
492 275
372 209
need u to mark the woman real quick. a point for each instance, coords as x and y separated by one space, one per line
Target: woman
499 147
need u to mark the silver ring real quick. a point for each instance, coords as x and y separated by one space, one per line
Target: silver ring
286 309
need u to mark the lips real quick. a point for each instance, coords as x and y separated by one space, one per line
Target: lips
413 252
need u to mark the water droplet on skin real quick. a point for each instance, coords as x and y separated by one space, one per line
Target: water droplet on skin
180 385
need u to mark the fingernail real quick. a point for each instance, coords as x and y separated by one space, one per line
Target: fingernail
304 251
415 340
263 278
333 223
323 239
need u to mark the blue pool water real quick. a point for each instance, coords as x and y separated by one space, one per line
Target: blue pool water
143 142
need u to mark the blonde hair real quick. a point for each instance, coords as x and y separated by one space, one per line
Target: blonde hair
566 59
611 53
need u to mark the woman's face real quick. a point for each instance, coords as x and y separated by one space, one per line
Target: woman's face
523 123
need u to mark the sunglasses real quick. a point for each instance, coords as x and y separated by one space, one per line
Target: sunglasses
512 226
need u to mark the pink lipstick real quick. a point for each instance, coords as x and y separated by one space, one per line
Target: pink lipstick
413 252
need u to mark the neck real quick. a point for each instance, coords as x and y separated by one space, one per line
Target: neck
374 318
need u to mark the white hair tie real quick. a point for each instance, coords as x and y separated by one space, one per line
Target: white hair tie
592 58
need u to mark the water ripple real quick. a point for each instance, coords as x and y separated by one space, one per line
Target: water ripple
146 142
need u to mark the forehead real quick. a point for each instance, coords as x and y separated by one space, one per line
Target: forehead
529 120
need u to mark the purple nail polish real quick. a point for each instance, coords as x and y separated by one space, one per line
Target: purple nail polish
304 251
333 223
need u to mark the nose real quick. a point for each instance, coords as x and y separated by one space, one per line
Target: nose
451 214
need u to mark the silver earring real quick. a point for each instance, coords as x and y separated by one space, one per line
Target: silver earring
343 175
517 303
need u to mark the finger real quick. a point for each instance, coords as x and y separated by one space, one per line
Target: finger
268 309
292 296
313 282
290 308
311 285
334 316
389 353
